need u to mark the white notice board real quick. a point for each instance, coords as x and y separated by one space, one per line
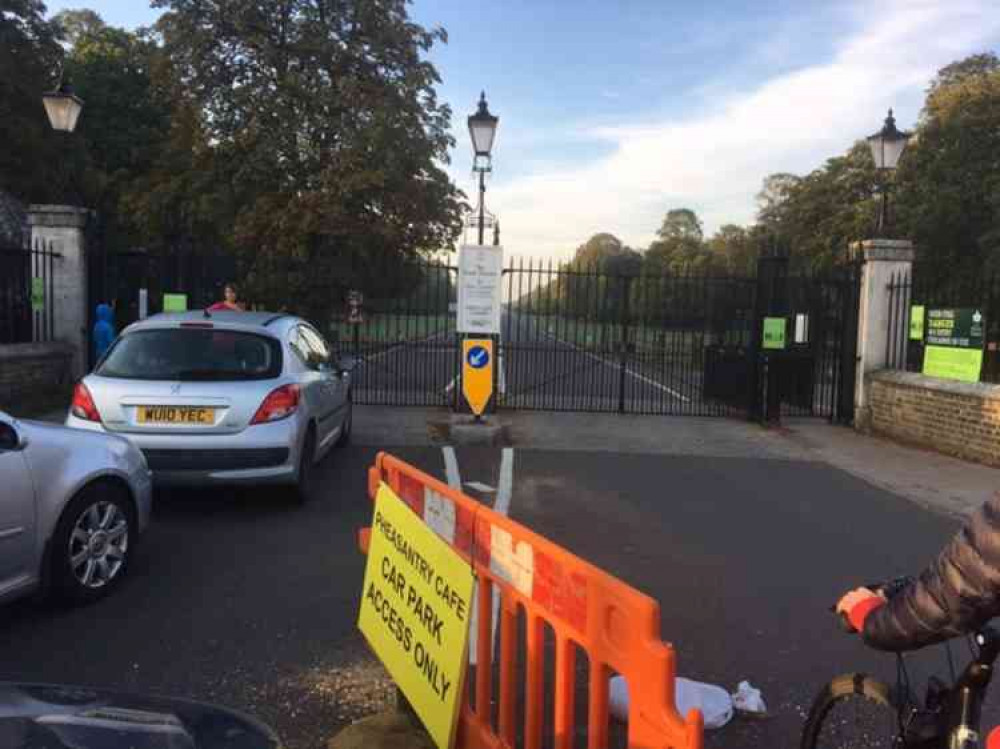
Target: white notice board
479 273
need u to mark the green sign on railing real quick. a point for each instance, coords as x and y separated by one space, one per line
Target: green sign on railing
774 332
917 322
954 347
175 302
37 294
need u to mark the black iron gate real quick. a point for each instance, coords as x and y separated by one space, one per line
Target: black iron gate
578 339
402 332
585 340
116 278
813 373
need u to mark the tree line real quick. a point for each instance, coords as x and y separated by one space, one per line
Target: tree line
946 194
304 137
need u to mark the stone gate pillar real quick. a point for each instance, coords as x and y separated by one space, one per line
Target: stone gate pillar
881 259
62 228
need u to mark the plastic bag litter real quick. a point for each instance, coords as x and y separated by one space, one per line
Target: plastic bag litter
747 699
714 702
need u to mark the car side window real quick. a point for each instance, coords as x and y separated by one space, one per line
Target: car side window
319 352
298 344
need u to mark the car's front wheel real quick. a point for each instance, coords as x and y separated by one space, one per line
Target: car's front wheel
93 543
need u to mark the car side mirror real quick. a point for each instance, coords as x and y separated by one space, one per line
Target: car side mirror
10 439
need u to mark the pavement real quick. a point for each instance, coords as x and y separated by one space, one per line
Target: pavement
744 536
937 482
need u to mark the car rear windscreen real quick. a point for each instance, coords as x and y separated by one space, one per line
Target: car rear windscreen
193 354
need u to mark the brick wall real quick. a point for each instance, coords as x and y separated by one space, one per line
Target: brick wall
31 372
956 418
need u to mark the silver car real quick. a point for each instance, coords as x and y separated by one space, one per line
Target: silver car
221 397
71 508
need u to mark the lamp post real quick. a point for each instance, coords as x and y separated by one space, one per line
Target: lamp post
887 146
482 129
63 107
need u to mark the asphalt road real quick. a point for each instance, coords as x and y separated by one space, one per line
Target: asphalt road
246 600
238 597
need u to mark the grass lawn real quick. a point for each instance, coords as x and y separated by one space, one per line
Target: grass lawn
393 328
591 333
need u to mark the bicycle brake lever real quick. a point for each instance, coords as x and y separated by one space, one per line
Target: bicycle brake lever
843 622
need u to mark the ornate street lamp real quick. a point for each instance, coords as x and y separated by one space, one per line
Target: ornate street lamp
63 107
887 146
482 130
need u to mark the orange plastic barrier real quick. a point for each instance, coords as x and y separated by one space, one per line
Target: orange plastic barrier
616 626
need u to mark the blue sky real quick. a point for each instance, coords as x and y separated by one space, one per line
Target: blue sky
613 112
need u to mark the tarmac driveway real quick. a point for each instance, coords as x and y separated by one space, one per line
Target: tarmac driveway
244 599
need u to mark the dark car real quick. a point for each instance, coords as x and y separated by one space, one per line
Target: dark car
46 716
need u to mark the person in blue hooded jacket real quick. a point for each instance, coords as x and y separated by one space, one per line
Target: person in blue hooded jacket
104 330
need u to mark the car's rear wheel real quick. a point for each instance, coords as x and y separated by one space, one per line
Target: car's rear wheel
93 543
307 459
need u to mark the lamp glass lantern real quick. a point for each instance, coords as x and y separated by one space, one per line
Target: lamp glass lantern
63 108
483 128
887 144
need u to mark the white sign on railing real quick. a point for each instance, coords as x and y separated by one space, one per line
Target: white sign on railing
479 272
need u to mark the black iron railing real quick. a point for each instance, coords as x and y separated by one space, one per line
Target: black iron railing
910 291
606 338
27 293
403 334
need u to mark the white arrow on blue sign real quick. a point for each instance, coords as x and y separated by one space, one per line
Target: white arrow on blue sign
479 357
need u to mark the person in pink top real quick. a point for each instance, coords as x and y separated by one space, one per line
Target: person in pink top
228 300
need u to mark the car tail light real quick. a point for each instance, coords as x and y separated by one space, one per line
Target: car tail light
278 404
83 405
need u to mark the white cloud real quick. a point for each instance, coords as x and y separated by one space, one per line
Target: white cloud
715 161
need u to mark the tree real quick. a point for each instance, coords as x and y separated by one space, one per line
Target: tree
79 25
680 224
680 245
818 215
734 249
125 121
591 281
327 112
949 177
596 251
772 200
30 58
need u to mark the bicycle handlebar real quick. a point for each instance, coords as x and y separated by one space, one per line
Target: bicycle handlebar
888 589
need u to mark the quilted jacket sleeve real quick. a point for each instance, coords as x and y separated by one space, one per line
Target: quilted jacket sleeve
957 593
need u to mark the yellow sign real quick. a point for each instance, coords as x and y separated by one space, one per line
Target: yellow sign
962 364
477 373
415 612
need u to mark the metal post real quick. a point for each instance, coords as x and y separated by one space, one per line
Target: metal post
624 307
482 204
883 220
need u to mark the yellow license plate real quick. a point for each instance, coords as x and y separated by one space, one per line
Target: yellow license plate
176 415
